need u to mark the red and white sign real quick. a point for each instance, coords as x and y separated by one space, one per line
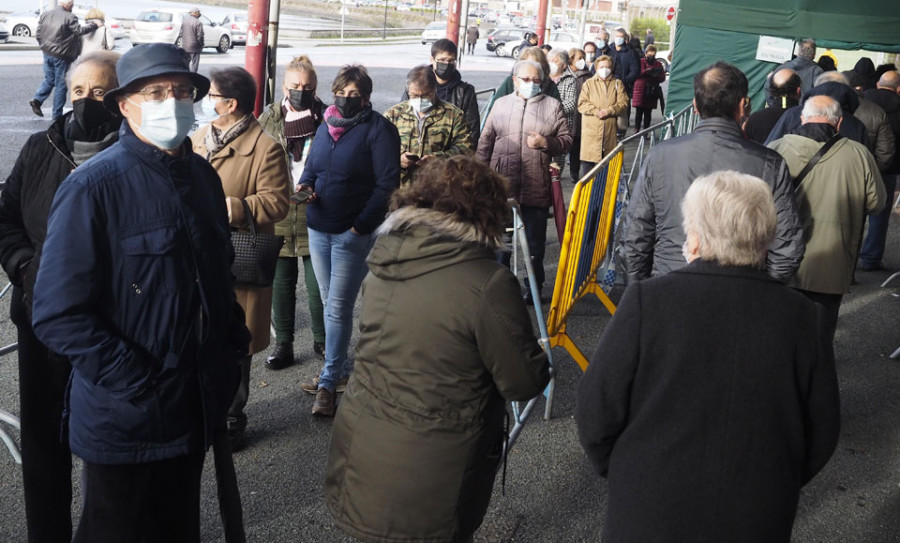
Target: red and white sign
670 13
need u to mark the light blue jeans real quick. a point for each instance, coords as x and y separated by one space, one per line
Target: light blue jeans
339 261
54 80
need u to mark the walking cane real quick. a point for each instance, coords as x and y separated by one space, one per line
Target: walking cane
227 487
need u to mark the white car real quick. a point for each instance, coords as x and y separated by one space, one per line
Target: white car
23 24
238 24
434 31
4 33
163 25
563 40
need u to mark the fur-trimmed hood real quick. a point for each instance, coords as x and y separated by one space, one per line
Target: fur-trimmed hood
414 241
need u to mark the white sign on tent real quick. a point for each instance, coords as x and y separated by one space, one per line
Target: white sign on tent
772 49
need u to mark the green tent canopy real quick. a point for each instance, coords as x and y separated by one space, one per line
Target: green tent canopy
729 30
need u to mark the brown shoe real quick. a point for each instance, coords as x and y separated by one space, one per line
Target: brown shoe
324 404
311 386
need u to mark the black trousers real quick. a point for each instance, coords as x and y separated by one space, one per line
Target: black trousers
575 159
642 113
534 219
136 503
46 459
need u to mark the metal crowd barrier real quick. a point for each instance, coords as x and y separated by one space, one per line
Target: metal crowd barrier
5 416
487 103
586 241
521 410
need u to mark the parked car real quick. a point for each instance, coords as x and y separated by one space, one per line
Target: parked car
238 24
23 24
163 25
563 40
504 42
4 33
434 31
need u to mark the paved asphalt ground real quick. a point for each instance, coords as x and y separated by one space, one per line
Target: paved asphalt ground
551 493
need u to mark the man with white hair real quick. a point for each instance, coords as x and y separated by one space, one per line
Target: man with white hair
191 36
522 134
59 35
836 182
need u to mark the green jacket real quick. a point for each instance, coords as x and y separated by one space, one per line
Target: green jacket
832 202
444 132
292 227
444 339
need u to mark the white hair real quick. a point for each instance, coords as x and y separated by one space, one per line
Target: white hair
528 64
821 106
831 77
65 2
733 217
559 53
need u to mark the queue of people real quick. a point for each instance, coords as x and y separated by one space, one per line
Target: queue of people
139 341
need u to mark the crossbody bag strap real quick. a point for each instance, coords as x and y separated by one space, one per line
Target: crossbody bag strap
815 159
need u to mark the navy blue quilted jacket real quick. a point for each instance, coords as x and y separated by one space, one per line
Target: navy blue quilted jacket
135 287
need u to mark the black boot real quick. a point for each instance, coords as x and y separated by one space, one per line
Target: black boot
281 356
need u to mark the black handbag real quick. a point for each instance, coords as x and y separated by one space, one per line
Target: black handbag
255 254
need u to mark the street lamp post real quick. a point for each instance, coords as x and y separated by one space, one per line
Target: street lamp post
384 28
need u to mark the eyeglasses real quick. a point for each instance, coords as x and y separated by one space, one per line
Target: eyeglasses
158 93
445 60
529 79
222 96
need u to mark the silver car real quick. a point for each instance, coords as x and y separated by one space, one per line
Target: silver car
163 25
238 24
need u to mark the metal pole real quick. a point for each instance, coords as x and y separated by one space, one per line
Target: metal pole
343 11
463 27
542 21
584 10
272 50
453 9
257 45
384 28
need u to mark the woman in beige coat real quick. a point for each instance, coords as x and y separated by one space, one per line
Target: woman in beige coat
602 100
252 168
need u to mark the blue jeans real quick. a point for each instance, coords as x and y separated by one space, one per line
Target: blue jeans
54 80
872 250
339 261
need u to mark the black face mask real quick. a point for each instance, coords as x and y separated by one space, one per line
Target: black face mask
301 100
348 106
91 115
444 70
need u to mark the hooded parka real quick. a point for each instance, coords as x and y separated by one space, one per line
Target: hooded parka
444 338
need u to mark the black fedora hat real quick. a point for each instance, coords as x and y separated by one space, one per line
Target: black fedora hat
150 60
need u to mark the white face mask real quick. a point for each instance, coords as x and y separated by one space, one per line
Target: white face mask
557 69
165 124
528 90
604 73
580 64
589 56
208 105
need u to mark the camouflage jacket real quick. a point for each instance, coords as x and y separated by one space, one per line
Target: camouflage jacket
444 132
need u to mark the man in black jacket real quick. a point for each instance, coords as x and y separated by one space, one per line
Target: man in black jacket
785 95
59 35
626 68
851 127
652 239
451 88
885 95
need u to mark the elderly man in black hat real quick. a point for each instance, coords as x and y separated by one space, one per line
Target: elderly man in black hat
135 289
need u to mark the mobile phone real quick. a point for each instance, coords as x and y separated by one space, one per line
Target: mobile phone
302 196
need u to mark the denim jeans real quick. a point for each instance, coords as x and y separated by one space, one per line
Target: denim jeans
872 250
54 80
339 261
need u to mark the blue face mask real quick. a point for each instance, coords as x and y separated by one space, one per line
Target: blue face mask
601 44
420 105
209 108
619 42
529 89
165 124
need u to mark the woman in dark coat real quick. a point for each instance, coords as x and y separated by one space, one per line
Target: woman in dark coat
444 340
712 397
646 89
46 159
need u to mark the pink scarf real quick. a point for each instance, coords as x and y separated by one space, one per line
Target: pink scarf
335 131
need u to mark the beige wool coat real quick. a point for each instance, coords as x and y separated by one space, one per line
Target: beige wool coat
598 136
252 167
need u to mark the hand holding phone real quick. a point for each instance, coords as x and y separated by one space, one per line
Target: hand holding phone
304 195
